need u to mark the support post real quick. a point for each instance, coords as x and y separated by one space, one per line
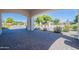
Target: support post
0 25
30 24
78 24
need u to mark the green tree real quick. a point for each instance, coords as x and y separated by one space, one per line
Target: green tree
38 20
56 21
46 19
75 27
43 19
14 23
76 19
9 20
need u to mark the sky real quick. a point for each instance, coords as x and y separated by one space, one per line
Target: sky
63 15
15 16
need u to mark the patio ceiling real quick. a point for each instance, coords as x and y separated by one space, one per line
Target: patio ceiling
26 12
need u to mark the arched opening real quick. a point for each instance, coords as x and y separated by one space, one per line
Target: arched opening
13 21
58 17
64 22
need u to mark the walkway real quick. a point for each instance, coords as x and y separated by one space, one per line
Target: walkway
21 39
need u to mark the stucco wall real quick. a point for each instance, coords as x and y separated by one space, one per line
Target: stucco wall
0 32
0 25
78 23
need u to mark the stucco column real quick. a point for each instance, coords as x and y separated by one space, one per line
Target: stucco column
0 24
30 24
78 23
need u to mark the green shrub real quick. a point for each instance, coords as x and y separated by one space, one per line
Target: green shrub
57 29
67 27
75 27
45 29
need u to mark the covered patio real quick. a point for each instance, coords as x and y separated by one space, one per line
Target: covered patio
22 39
30 39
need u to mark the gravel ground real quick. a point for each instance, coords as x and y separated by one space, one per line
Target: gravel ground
21 39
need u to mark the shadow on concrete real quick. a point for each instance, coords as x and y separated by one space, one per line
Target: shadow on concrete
22 39
71 41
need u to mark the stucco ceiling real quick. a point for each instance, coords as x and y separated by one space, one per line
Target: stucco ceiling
27 12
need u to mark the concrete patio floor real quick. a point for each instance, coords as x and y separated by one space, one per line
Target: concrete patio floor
21 39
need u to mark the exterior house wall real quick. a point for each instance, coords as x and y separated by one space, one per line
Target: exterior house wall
78 23
0 25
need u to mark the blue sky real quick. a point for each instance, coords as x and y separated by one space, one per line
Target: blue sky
15 16
64 15
60 14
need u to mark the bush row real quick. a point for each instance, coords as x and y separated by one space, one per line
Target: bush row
67 27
